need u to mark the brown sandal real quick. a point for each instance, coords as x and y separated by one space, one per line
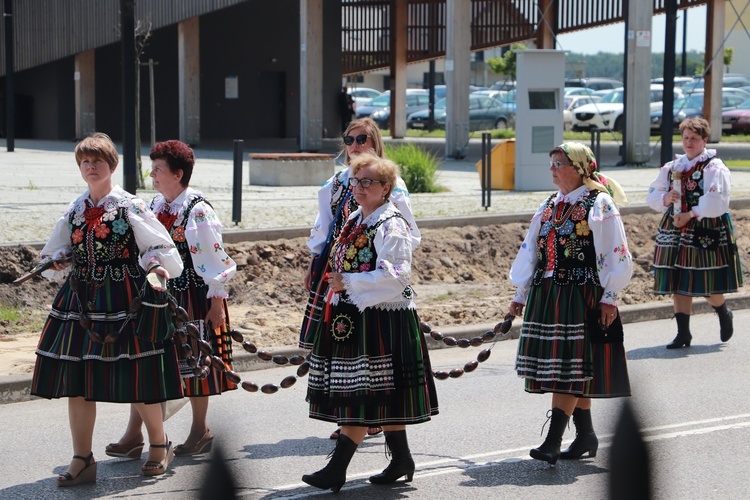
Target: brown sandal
133 449
203 445
154 468
87 474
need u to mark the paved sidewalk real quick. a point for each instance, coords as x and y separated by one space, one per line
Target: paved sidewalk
40 179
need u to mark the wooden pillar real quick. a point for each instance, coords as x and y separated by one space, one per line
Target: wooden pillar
311 75
457 70
85 93
714 65
189 71
399 23
547 25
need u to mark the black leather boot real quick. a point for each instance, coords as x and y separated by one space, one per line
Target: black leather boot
333 475
725 321
586 440
401 462
549 451
683 337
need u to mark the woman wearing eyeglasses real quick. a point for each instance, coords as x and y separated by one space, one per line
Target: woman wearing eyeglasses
569 271
369 363
335 204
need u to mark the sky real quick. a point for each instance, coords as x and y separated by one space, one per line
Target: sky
611 38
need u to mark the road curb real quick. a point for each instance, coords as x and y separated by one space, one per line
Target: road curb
16 388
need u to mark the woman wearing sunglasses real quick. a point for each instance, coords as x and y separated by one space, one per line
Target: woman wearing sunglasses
335 205
369 362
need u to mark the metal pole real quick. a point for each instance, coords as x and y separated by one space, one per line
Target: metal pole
153 102
667 109
489 169
483 177
127 25
684 42
10 108
237 183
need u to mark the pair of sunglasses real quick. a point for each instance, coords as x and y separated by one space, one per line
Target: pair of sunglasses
361 139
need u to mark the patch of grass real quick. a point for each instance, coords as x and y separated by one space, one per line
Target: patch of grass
738 164
418 167
442 297
9 313
31 186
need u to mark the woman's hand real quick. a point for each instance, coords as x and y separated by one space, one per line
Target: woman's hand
608 314
215 315
516 309
59 266
336 282
156 284
681 219
671 197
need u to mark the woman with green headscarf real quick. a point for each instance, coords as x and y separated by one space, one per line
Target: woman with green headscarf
570 270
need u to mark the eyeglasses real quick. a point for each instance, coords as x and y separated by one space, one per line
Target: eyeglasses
557 165
365 183
361 140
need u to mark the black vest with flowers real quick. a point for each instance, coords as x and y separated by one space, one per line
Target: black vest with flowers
103 243
354 250
341 193
176 231
691 183
567 239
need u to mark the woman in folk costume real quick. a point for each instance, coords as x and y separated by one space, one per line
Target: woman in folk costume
696 252
335 204
369 364
91 348
569 272
196 231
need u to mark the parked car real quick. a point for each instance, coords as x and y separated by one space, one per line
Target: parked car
362 95
679 81
594 83
484 113
737 120
571 91
729 81
573 102
503 85
691 106
607 113
416 100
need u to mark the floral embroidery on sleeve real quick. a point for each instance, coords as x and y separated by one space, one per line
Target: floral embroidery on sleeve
622 251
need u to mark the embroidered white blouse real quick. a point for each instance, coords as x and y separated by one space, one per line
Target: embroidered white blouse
383 287
717 183
614 263
203 235
319 233
152 239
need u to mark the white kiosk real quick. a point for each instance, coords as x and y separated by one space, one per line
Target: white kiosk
539 116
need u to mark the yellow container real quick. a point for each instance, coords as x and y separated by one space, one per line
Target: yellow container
503 171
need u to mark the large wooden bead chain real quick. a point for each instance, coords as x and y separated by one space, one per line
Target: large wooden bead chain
304 366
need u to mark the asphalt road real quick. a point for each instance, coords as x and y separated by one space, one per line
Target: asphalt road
692 404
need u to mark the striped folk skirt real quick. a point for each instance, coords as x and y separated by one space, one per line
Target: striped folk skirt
699 261
315 303
555 352
379 373
129 370
197 305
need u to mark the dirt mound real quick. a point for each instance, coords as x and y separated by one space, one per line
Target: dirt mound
460 275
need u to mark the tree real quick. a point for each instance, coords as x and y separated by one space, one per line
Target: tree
728 56
142 34
506 64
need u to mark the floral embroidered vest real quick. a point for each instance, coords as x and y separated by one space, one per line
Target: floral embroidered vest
104 243
341 193
692 185
566 243
354 250
175 225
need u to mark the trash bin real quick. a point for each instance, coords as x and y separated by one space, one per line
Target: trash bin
503 158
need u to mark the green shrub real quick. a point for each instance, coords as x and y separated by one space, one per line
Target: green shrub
418 167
